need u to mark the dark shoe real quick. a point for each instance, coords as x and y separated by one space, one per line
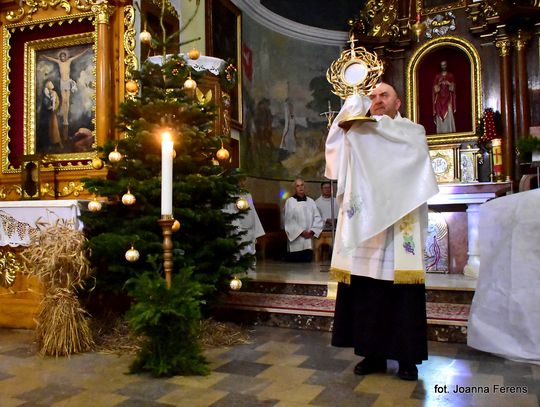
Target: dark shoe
370 365
407 371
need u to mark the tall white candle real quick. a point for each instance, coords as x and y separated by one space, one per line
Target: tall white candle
329 106
166 174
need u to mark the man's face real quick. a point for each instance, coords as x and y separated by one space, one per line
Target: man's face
325 190
384 100
299 188
63 56
443 65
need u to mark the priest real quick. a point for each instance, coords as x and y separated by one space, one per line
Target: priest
384 178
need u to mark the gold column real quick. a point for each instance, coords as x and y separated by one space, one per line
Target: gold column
503 45
522 89
103 13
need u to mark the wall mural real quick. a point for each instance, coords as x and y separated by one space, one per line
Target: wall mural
285 91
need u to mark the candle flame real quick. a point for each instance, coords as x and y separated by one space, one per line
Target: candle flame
166 135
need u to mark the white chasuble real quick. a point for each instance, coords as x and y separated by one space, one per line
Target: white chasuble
384 175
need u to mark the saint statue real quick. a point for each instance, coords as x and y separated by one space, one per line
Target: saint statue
444 101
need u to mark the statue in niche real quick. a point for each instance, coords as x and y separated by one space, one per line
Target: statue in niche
444 100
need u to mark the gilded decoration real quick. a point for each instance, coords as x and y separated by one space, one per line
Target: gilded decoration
29 7
9 267
50 49
430 7
382 17
503 45
130 59
419 90
78 157
355 71
103 12
70 188
7 192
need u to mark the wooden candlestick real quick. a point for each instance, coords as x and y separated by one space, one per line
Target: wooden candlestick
166 223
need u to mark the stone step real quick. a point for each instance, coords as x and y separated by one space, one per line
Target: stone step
447 322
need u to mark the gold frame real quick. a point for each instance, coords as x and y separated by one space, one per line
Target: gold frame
449 153
70 161
476 86
447 7
30 61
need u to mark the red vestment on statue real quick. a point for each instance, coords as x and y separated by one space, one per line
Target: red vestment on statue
443 96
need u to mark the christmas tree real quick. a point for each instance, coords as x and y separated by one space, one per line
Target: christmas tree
206 248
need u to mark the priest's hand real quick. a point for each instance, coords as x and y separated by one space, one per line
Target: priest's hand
308 234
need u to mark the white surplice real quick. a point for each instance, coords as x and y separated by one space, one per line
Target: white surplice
384 173
247 222
300 216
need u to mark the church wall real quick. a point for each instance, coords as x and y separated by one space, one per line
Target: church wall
284 68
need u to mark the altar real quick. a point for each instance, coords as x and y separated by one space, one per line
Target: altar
20 222
461 202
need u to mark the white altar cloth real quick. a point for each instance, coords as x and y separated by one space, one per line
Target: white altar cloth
505 313
20 220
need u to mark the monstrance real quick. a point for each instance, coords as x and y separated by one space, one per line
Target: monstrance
356 71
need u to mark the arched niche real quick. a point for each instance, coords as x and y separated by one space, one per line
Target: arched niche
463 62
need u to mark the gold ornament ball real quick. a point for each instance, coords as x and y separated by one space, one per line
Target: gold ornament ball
190 84
132 255
132 86
222 154
97 163
175 226
94 205
235 284
145 37
128 198
194 54
242 204
115 156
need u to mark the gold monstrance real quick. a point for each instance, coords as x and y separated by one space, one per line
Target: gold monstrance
357 71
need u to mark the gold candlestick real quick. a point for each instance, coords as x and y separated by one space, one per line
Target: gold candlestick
166 223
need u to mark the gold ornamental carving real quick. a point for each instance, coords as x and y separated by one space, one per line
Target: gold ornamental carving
130 59
521 40
70 188
103 11
503 46
29 7
7 190
440 9
9 267
382 17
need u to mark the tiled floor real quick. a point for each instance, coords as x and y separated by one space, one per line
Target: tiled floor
279 367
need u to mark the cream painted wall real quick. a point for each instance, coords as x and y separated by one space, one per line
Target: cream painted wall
196 28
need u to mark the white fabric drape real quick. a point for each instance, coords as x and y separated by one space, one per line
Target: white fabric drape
505 313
